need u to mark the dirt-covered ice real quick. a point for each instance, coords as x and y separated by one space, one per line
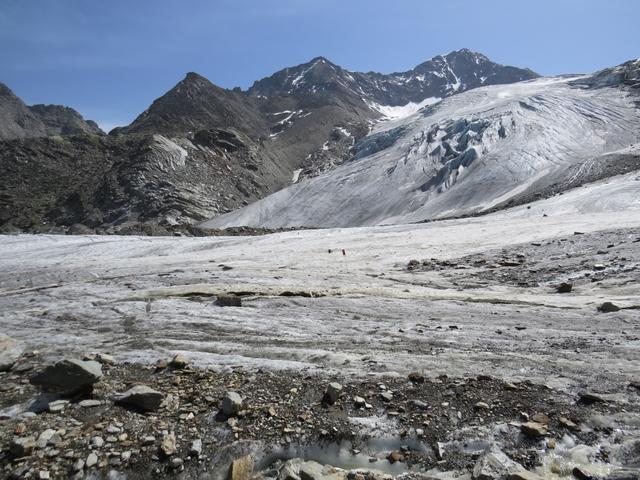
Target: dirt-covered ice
308 306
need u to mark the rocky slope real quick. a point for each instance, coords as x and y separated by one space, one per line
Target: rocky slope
200 150
471 153
17 120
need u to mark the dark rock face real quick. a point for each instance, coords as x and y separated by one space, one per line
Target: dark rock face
440 77
18 120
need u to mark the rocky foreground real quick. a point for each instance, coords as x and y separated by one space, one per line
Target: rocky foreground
92 418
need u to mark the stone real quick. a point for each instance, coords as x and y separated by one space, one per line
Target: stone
89 403
394 457
44 437
564 287
179 361
416 377
148 440
78 465
92 460
97 442
419 404
10 352
608 307
228 300
68 376
311 470
43 475
332 393
359 401
481 406
495 465
58 405
231 404
534 429
169 444
196 448
566 423
141 397
176 462
22 447
541 418
241 469
105 359
386 396
589 398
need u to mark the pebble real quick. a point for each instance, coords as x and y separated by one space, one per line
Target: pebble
92 460
168 445
196 448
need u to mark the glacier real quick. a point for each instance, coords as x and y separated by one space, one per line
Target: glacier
466 154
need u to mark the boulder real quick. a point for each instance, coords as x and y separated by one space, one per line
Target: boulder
534 429
495 465
23 446
179 361
332 393
608 307
68 376
564 287
10 351
231 404
141 397
241 469
229 300
169 444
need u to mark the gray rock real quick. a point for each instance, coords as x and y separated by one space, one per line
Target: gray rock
92 460
97 442
231 404
359 401
89 403
495 465
78 466
141 397
23 446
196 448
419 404
10 351
386 396
68 376
332 393
58 405
44 437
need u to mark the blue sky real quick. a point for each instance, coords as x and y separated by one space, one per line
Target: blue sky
110 58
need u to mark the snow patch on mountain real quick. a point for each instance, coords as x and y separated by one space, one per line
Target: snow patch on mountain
397 112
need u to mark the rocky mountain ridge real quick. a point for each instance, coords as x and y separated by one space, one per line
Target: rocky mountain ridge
201 150
18 120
